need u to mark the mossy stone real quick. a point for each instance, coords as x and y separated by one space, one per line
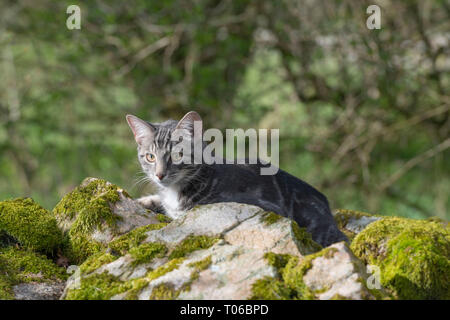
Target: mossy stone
198 267
343 216
413 256
141 252
31 225
86 209
163 218
288 284
95 261
165 268
145 252
98 287
22 266
191 244
164 291
133 238
270 218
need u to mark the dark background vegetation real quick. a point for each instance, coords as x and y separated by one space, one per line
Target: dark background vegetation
363 114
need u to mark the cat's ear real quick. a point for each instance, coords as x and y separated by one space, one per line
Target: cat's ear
187 122
142 129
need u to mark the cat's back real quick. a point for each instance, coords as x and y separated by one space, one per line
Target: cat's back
281 193
279 187
254 172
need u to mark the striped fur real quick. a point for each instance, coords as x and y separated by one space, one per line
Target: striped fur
187 185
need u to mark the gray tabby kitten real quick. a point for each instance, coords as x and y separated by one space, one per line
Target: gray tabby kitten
182 186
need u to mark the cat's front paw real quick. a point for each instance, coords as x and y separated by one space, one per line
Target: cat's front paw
152 202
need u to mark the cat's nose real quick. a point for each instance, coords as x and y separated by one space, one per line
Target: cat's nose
160 175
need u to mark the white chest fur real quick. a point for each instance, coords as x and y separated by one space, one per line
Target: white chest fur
170 201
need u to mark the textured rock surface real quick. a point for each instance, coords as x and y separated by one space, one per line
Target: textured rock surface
219 251
207 220
413 256
27 275
277 237
217 282
338 275
352 222
129 214
332 273
238 238
94 214
38 291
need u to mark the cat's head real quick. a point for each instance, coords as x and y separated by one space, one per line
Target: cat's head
158 155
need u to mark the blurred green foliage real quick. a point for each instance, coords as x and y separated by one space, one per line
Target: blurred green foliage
363 114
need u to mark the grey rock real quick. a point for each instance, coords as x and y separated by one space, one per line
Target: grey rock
338 275
357 225
236 261
230 267
210 220
38 291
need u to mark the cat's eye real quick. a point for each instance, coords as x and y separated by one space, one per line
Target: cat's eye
150 157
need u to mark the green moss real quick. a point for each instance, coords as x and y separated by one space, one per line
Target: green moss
136 287
165 268
104 286
6 291
278 261
95 261
163 218
288 284
202 264
28 263
31 225
147 251
22 265
133 238
198 267
98 287
93 199
8 278
338 297
78 248
164 292
270 288
88 206
294 272
413 256
304 237
142 253
191 244
439 220
270 218
343 215
138 284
